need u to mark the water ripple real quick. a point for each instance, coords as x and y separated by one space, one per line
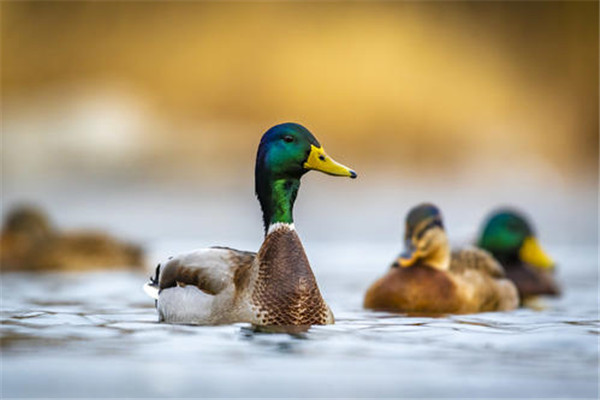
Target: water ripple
101 331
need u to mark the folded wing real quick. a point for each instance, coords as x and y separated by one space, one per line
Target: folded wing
475 259
211 270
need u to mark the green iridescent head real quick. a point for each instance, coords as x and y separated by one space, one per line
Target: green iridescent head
285 153
510 238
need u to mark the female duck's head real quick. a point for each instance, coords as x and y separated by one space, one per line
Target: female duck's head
425 240
28 222
286 152
510 238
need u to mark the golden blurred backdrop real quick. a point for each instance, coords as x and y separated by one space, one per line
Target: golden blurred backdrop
392 82
180 91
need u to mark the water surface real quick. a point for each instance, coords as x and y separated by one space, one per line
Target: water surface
95 334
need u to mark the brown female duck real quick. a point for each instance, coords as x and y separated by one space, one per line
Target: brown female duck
29 242
428 279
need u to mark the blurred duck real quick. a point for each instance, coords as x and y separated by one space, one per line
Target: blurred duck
511 240
274 287
28 242
428 279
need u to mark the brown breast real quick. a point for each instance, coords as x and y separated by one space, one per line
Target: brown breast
286 291
530 281
417 289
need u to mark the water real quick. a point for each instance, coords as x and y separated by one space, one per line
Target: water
95 334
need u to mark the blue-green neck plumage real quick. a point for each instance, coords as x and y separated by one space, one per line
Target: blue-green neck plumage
276 189
277 201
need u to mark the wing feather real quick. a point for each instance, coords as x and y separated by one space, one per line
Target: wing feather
475 259
211 269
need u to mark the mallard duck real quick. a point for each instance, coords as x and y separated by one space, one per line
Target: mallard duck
29 242
428 279
274 287
509 237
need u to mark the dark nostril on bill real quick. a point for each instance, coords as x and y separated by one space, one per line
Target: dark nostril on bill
322 157
353 174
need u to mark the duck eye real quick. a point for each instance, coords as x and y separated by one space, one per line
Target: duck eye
288 138
513 226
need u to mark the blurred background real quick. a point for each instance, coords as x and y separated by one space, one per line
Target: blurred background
142 120
144 117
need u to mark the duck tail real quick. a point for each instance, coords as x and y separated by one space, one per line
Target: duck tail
152 288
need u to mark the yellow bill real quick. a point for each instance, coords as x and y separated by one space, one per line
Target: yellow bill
320 161
532 253
408 257
406 262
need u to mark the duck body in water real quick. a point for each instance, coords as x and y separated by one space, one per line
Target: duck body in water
427 278
273 287
29 242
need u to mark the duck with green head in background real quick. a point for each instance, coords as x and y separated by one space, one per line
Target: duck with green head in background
428 279
274 287
510 238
